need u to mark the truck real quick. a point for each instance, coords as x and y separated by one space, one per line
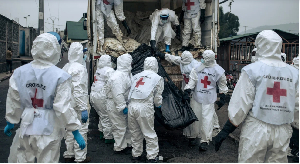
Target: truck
209 28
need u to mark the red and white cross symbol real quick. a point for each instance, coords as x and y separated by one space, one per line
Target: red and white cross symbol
205 81
140 82
276 92
106 2
37 102
189 4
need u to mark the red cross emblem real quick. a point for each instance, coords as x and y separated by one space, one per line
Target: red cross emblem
140 82
276 92
205 81
189 4
37 102
95 79
106 2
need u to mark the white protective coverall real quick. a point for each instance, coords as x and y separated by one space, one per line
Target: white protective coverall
45 145
146 91
295 124
80 100
163 31
98 94
203 80
104 9
118 87
187 63
266 114
192 15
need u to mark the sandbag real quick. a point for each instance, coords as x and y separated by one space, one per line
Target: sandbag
173 114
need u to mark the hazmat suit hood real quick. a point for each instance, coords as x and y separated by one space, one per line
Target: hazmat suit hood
209 58
75 53
296 62
268 45
124 63
150 64
104 61
186 57
46 50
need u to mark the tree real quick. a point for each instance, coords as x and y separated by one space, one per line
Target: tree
229 24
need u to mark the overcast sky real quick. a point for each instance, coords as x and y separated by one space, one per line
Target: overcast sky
255 13
251 13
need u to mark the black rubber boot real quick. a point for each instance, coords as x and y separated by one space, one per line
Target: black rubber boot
203 146
69 160
136 159
126 27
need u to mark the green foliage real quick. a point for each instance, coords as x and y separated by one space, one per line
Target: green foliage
229 24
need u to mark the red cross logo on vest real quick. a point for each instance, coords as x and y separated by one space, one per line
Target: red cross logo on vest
140 82
106 2
276 92
189 4
37 102
205 81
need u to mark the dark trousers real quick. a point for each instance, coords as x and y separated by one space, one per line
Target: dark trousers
8 64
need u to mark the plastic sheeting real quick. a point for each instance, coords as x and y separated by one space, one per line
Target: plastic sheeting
174 114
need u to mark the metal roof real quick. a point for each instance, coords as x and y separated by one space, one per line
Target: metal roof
75 30
284 34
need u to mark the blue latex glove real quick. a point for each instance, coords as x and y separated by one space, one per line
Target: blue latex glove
125 110
84 116
7 128
79 139
84 57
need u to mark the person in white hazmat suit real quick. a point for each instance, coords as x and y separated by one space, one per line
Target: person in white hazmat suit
40 94
161 28
85 58
187 63
264 100
117 90
146 91
203 80
80 102
193 13
294 142
98 96
104 9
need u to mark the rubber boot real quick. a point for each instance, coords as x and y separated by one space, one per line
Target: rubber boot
126 27
155 160
69 160
168 48
136 159
87 159
203 146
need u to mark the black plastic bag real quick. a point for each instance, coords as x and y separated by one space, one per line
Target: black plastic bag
173 114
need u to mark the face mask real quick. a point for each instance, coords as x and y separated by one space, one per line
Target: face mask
202 61
164 21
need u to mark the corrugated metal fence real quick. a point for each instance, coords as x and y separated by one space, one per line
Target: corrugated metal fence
9 37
